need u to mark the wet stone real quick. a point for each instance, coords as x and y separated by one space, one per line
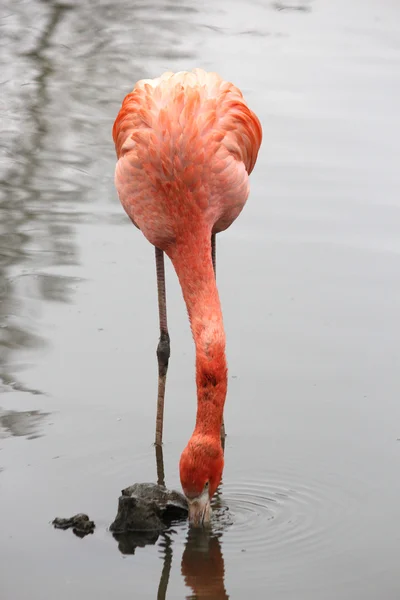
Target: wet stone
145 510
80 524
148 507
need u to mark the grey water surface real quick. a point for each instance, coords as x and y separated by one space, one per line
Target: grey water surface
309 278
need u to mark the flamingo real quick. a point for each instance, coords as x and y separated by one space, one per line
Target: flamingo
186 144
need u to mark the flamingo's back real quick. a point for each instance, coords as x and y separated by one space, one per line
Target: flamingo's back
186 143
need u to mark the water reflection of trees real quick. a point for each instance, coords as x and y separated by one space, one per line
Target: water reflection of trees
65 68
22 423
32 235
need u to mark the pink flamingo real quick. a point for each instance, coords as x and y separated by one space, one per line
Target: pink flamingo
186 144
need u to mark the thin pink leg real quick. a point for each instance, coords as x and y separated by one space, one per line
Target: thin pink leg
214 261
163 349
214 253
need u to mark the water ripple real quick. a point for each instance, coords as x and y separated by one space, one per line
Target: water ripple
284 513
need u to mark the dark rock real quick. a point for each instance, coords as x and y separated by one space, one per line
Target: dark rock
80 524
145 510
135 514
148 507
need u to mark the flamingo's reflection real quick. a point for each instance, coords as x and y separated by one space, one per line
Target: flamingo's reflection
202 564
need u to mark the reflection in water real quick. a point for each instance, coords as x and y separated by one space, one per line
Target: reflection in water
13 423
31 234
128 542
301 6
203 565
21 424
166 545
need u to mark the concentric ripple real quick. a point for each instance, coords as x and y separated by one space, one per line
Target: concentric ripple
283 513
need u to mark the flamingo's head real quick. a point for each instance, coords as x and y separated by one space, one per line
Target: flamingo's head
201 467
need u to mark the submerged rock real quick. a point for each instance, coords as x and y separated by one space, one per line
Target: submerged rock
80 524
145 510
148 507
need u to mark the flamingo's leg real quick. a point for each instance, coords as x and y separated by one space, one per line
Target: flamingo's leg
214 253
214 261
163 349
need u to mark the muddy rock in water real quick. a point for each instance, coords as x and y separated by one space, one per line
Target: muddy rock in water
80 524
148 507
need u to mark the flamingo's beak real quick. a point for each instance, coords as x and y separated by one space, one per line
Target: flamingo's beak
200 510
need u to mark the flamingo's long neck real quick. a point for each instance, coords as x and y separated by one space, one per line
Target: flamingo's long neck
192 260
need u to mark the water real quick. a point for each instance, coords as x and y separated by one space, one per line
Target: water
309 282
